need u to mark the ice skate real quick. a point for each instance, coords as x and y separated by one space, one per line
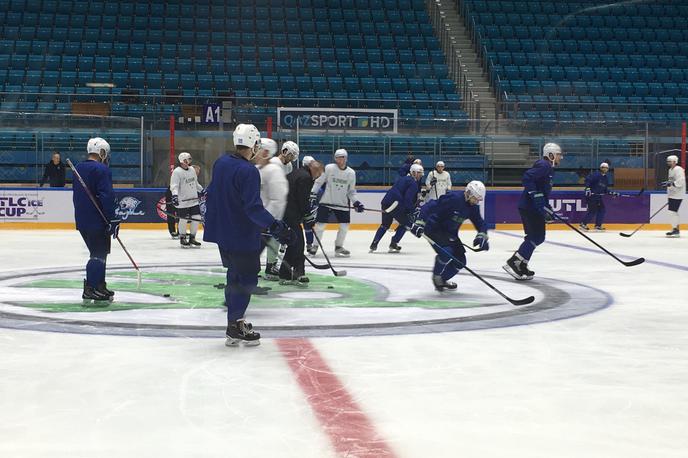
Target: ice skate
104 289
271 272
674 233
312 249
193 243
302 281
94 296
600 228
394 247
174 235
260 291
373 247
515 266
240 331
442 285
341 252
584 227
184 242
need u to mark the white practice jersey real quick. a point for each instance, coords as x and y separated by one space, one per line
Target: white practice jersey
184 185
678 176
442 186
287 168
340 186
273 189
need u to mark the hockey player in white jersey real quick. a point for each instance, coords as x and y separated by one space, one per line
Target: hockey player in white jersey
185 197
273 192
676 191
288 154
340 189
438 182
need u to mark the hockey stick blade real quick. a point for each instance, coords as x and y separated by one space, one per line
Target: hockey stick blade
624 235
317 266
635 262
525 301
340 273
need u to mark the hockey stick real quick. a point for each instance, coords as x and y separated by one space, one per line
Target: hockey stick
640 227
635 262
341 207
337 273
100 211
177 216
317 266
642 190
524 301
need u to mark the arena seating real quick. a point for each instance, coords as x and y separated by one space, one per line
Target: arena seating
579 61
305 51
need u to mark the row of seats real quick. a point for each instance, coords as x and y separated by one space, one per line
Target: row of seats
647 61
601 103
33 174
586 46
560 26
594 88
235 8
585 117
575 8
587 74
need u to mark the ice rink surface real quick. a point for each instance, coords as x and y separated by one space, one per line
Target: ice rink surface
606 381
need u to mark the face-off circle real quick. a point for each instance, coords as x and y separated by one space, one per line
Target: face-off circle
183 301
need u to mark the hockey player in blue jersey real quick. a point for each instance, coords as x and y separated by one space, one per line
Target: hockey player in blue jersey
441 220
234 219
402 197
596 187
93 228
535 210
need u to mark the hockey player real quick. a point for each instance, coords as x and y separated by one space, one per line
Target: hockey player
172 219
438 182
288 154
340 182
308 231
273 193
299 210
676 190
441 220
93 229
535 210
186 193
402 197
596 187
235 218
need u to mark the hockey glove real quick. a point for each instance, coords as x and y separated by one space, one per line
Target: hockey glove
433 182
418 228
614 194
202 193
548 213
539 202
309 218
666 184
313 200
175 201
588 192
481 242
282 232
113 228
358 206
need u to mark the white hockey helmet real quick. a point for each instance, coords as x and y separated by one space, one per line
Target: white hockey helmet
291 148
551 148
184 157
604 165
416 168
673 159
476 189
269 144
417 161
341 152
98 146
247 135
439 164
307 160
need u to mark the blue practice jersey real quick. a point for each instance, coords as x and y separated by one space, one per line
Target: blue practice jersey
235 216
98 179
404 191
536 179
446 214
597 183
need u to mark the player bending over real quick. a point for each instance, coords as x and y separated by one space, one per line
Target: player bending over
535 210
186 193
441 220
402 198
235 218
340 189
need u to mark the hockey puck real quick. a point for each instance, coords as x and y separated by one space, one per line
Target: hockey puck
219 286
330 287
165 295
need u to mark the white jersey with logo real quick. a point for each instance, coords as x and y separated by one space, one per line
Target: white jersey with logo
274 189
341 186
677 176
287 168
442 186
184 184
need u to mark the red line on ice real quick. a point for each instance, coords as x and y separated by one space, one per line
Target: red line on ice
350 431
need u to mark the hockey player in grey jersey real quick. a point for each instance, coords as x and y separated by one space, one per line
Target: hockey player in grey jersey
340 189
185 197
